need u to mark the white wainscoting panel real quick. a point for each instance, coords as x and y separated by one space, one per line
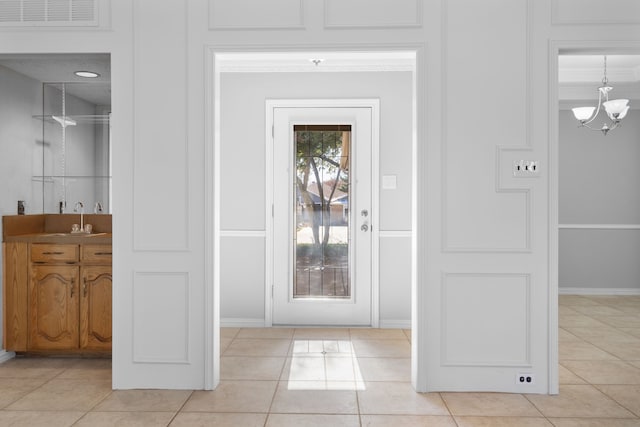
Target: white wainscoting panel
395 278
161 325
161 181
595 12
478 215
255 14
599 258
242 276
486 319
372 13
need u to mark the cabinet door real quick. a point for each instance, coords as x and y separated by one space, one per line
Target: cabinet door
95 308
53 307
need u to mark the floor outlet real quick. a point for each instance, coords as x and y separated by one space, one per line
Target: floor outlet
525 379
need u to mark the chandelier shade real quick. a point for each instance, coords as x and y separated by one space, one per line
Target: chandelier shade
583 113
617 108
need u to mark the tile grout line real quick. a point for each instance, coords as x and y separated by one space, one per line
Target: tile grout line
614 399
179 411
565 367
354 361
444 401
538 409
275 391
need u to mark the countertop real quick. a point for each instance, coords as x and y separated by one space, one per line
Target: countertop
63 238
55 228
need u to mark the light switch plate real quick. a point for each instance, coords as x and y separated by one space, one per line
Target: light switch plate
526 168
389 182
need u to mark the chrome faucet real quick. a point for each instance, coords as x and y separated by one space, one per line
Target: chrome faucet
75 209
97 208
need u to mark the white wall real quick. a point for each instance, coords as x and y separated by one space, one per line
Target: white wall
599 187
20 139
483 248
243 175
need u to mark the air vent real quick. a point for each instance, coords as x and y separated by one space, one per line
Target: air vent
56 13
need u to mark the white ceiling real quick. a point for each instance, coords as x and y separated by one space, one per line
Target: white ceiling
58 68
590 68
581 75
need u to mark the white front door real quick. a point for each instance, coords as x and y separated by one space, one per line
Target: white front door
322 215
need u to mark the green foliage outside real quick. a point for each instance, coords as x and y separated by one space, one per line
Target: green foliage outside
318 157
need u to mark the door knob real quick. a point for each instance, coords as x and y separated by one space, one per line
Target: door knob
364 227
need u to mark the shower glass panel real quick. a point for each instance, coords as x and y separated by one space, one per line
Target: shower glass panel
74 163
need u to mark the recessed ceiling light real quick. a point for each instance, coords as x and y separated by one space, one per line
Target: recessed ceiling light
87 74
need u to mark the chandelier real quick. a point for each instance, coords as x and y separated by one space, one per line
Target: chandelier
616 109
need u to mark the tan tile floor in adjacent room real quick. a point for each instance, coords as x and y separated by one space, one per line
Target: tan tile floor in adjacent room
343 377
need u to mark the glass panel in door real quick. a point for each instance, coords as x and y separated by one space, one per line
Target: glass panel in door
322 187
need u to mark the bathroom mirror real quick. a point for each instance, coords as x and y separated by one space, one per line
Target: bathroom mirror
76 147
56 133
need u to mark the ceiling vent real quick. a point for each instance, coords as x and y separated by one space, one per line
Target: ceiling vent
49 13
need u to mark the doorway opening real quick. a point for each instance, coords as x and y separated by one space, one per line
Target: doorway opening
237 77
60 144
583 230
599 205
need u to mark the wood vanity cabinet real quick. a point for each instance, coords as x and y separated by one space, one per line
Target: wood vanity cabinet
95 303
15 287
53 307
67 306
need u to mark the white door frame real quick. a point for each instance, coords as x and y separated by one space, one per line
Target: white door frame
213 64
555 49
374 104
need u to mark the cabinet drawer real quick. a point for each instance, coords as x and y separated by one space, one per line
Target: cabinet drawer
45 252
96 254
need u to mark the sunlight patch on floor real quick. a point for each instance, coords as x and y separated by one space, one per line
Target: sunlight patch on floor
324 365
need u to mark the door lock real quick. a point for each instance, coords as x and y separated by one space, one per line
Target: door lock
364 213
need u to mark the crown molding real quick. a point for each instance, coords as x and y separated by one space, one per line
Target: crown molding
303 62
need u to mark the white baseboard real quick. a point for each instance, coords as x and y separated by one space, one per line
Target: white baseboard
233 322
599 291
6 355
395 324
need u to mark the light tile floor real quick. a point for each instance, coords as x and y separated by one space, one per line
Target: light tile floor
343 377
